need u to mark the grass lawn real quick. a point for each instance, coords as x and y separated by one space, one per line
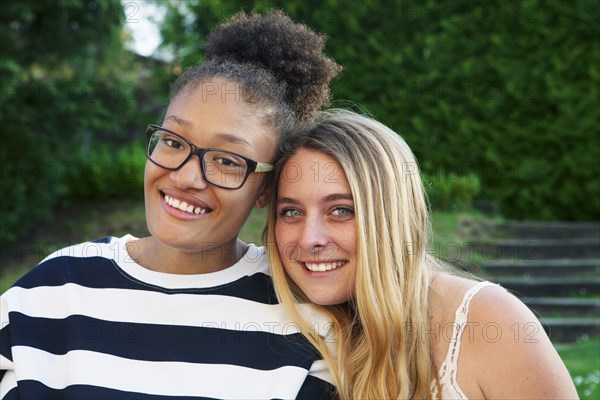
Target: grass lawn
451 231
583 362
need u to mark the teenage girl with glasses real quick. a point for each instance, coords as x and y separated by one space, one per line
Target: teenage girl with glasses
189 311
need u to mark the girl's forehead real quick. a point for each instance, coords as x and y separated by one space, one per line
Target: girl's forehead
310 171
208 118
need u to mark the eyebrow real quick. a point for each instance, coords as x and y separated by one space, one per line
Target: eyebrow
184 123
338 196
224 137
287 200
326 199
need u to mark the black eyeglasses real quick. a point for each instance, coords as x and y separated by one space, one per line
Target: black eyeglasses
219 167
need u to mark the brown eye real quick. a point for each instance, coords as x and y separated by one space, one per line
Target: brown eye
173 143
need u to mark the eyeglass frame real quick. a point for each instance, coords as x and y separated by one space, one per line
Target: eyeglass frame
253 166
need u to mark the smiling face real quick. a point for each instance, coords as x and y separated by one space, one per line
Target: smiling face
315 227
183 211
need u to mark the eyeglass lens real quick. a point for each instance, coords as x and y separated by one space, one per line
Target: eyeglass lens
220 168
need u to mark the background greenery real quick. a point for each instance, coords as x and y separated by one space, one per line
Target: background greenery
498 99
67 107
503 93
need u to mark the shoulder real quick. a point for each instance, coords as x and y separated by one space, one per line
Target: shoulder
505 352
446 294
66 264
489 305
96 248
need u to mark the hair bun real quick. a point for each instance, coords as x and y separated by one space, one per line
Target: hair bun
290 51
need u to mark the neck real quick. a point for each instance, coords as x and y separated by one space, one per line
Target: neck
157 256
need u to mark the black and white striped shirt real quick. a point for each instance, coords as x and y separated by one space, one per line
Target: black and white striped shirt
90 323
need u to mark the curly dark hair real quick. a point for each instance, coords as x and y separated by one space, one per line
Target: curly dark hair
278 63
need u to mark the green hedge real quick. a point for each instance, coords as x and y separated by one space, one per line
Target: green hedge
108 172
67 96
55 147
451 192
508 90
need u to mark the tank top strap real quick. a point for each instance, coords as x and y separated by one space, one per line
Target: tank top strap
449 366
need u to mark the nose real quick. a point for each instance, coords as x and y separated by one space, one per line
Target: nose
189 176
315 235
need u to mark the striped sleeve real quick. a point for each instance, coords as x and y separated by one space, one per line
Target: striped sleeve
318 384
8 382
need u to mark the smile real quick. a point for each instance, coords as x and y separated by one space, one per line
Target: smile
324 266
183 206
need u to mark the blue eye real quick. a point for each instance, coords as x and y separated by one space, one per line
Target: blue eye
290 212
343 212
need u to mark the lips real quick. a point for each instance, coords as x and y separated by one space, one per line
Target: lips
185 206
324 266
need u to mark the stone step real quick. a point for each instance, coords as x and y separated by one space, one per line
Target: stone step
550 287
548 230
543 268
564 306
540 249
569 330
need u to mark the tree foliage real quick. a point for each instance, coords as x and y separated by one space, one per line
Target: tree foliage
65 91
504 91
503 94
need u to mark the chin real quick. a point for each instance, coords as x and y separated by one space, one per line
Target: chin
328 300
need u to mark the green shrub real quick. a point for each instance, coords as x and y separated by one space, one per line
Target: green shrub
108 172
505 90
59 98
451 192
30 190
49 134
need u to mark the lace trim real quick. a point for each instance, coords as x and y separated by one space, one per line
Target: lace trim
450 363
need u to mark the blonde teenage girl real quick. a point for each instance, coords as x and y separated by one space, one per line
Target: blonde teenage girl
351 228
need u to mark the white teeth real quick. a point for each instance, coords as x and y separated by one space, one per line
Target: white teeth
322 267
183 206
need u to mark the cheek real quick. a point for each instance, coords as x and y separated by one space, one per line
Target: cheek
286 244
279 233
240 202
350 243
151 172
349 238
344 239
289 271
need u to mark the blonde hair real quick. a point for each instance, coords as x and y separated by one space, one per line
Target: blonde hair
381 349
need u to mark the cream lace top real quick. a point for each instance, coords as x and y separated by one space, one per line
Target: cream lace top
449 368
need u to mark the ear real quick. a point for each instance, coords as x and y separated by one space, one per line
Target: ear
265 194
264 197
